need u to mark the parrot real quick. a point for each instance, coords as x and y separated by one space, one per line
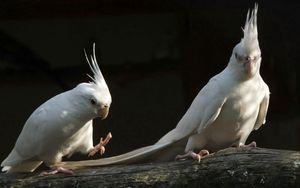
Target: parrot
226 110
62 126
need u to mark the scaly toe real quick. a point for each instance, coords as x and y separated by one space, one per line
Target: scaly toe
189 155
56 171
252 144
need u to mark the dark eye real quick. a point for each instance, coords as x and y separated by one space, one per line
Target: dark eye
93 101
235 55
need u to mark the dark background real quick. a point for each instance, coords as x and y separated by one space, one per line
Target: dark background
155 56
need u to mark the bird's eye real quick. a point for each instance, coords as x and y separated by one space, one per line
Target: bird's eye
93 101
237 57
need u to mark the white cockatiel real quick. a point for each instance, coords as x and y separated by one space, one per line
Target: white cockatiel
223 114
62 125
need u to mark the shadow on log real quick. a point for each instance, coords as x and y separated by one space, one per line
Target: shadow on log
232 167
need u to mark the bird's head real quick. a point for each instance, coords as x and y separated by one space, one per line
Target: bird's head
246 54
95 95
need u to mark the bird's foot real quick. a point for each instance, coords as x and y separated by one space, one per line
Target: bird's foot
57 170
252 145
242 145
101 146
192 155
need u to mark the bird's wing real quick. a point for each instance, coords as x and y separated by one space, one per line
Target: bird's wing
203 111
29 139
263 108
25 166
215 98
27 145
17 163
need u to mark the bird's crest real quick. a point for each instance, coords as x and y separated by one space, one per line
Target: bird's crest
250 39
98 78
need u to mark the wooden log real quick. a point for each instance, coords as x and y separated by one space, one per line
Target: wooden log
232 167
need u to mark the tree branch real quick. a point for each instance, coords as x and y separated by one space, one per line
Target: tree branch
232 167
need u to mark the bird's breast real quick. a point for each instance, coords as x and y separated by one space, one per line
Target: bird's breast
236 119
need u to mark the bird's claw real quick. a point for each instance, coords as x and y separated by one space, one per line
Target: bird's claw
193 155
56 171
242 145
252 144
101 146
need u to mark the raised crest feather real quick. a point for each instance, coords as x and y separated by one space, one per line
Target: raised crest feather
250 28
98 77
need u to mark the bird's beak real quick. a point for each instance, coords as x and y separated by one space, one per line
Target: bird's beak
249 65
103 112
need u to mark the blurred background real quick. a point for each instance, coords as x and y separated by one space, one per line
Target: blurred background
155 56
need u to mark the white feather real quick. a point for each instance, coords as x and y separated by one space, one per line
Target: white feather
98 78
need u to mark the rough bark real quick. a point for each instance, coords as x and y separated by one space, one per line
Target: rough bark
233 167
